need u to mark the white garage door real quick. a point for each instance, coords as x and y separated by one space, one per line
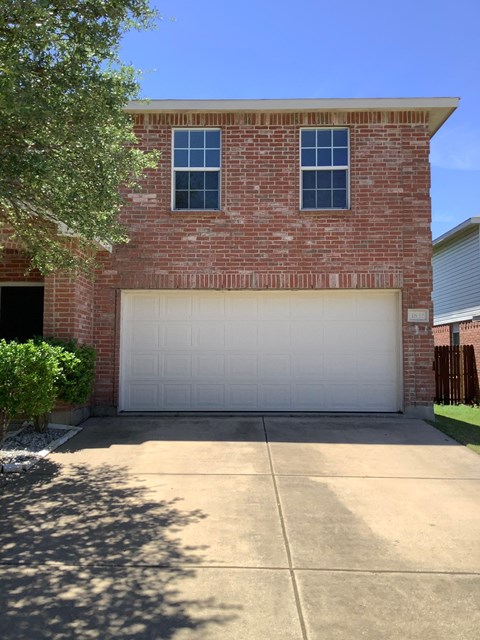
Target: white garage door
252 350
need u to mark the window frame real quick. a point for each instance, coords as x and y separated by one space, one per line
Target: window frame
195 169
455 335
325 168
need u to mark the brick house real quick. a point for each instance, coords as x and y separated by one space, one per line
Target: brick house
456 286
280 260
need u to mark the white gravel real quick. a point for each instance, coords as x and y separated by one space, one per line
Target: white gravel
22 448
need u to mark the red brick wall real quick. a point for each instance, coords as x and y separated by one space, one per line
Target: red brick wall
68 307
68 301
14 267
68 313
441 335
470 334
260 239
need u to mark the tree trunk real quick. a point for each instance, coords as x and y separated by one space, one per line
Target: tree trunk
41 422
4 421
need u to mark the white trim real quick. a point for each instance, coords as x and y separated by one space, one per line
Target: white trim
440 109
466 225
344 104
121 363
64 230
330 168
191 169
399 347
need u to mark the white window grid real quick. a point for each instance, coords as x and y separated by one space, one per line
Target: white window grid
323 167
213 169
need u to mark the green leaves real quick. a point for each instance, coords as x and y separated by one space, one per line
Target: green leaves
28 376
77 364
66 145
37 373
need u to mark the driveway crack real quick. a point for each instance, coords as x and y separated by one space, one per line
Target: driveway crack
285 538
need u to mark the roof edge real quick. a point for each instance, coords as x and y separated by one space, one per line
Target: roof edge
302 104
439 108
456 231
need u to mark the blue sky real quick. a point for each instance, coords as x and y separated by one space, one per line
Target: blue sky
319 49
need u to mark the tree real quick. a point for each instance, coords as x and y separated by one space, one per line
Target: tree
67 146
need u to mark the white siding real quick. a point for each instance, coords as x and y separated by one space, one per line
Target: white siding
456 279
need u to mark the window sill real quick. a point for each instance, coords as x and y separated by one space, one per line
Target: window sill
324 212
196 212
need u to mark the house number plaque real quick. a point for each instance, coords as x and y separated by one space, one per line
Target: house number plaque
417 315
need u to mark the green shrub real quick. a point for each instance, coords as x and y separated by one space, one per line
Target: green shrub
37 373
29 373
78 370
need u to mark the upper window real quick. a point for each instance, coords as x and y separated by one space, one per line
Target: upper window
196 169
324 168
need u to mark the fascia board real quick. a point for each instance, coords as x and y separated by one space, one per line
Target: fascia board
439 108
457 231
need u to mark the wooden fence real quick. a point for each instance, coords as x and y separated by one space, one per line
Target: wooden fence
456 380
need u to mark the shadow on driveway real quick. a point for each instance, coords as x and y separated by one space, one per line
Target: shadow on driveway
296 428
87 554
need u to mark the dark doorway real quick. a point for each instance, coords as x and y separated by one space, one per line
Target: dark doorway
21 312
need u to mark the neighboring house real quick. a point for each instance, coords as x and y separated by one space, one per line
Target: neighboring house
456 286
280 260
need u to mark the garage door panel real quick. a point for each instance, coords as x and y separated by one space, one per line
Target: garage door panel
339 306
379 368
144 335
342 334
177 395
210 308
275 397
309 396
379 309
342 396
209 396
242 365
242 397
178 307
341 366
146 308
271 307
241 335
178 334
308 366
209 336
144 365
247 351
376 335
273 334
275 365
245 307
307 335
305 306
209 365
178 365
144 396
378 397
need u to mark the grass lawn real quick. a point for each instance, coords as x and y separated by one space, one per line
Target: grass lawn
460 422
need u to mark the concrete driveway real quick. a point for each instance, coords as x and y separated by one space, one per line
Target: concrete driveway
245 528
